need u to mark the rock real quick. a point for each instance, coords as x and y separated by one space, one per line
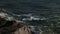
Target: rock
12 27
23 30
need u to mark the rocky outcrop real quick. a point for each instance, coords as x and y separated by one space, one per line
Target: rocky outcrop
12 27
23 30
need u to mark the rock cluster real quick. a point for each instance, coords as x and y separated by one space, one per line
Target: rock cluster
12 27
